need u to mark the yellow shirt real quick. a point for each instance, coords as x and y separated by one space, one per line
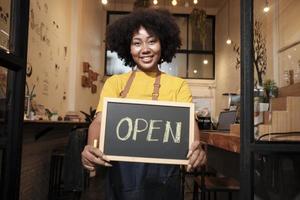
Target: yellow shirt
172 88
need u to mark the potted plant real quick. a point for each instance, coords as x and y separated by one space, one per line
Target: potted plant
271 90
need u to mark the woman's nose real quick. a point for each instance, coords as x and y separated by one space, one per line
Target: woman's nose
145 48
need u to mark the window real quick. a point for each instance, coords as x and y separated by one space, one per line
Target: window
193 60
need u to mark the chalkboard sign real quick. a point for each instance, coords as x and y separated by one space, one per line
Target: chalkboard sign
146 131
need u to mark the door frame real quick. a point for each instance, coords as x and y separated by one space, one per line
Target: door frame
15 61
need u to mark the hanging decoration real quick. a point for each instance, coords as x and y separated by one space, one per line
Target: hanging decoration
198 21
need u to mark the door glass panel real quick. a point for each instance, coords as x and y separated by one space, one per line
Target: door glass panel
4 24
3 99
277 176
276 70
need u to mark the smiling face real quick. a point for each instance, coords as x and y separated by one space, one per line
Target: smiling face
145 49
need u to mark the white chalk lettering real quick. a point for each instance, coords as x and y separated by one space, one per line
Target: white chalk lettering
141 125
136 127
129 122
169 130
150 131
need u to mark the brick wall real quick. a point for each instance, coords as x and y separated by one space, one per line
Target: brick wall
36 162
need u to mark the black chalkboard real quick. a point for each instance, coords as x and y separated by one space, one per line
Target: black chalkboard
146 131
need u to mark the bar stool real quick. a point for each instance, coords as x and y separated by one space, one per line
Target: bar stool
55 177
209 171
208 185
67 176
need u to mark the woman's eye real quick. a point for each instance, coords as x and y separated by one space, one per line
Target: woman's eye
152 42
136 43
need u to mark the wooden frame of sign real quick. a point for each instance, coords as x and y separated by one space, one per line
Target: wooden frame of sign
146 131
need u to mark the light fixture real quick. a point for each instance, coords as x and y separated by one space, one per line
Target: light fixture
195 71
104 2
195 1
155 2
205 61
266 8
228 41
174 2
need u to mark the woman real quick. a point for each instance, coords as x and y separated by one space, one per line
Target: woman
143 39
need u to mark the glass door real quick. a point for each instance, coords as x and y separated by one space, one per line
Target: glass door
13 56
270 99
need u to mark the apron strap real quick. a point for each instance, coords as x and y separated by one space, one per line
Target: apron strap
156 86
124 92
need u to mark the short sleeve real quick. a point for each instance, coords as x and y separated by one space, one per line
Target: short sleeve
184 93
110 89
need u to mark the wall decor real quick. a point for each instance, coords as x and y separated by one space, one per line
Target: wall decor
89 77
48 42
28 70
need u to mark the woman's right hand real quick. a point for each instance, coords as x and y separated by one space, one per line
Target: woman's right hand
91 156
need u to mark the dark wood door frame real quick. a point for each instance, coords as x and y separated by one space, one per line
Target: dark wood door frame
15 61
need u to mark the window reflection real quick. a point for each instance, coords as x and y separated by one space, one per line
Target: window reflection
277 71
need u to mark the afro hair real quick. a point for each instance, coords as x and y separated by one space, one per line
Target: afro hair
158 22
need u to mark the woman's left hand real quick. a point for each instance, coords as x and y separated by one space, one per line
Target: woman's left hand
196 156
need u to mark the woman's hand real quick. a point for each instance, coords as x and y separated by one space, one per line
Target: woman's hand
196 156
91 156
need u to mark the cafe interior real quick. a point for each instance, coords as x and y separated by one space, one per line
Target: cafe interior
240 58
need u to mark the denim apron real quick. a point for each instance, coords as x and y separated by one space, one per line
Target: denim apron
142 181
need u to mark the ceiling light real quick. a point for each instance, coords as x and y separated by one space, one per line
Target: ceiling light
195 1
228 41
174 2
205 61
104 2
195 71
266 8
155 2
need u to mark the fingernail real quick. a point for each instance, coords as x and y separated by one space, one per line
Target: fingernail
189 154
107 165
188 167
